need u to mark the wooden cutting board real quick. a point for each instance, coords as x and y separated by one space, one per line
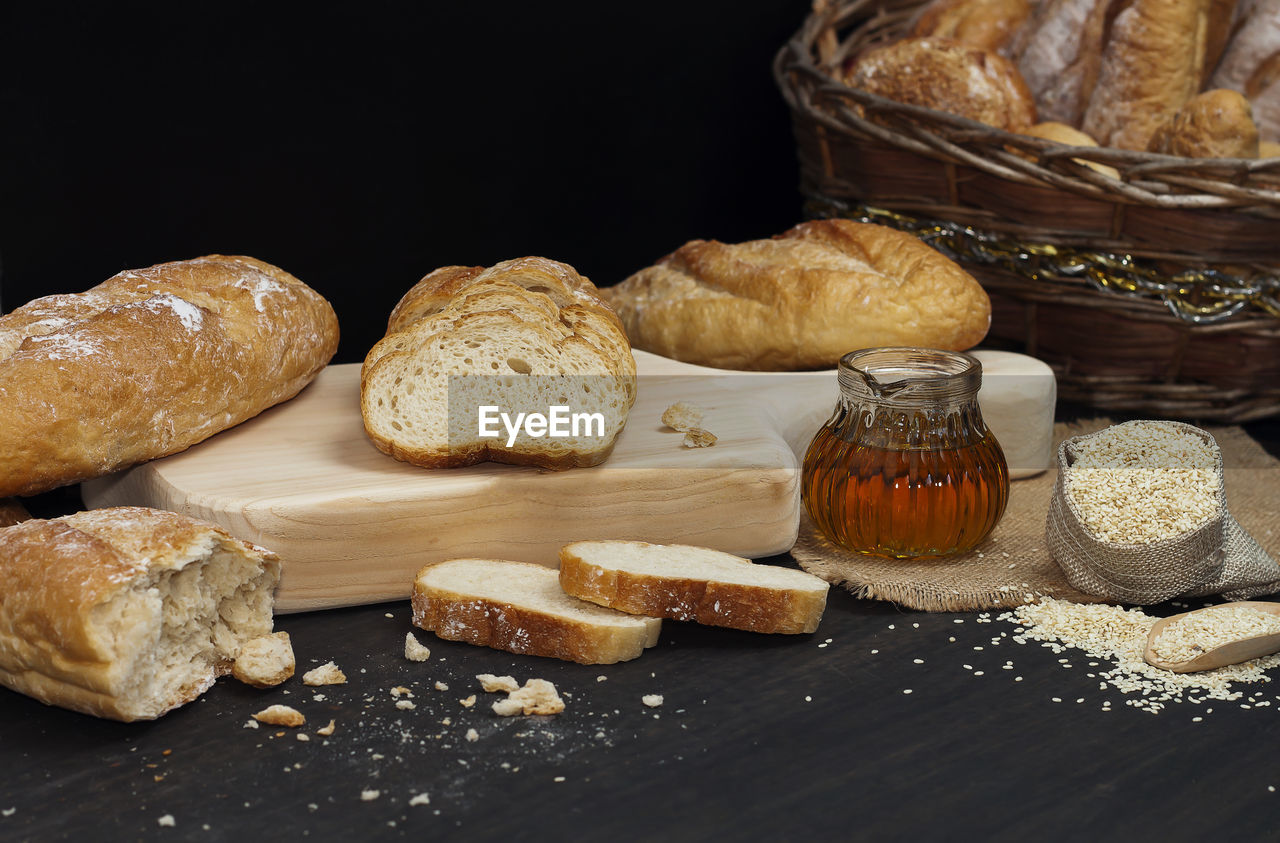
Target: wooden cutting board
354 526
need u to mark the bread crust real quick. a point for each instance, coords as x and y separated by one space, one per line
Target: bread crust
459 616
1059 53
733 605
947 76
12 512
1153 62
802 299
986 24
58 576
1214 124
149 363
1251 64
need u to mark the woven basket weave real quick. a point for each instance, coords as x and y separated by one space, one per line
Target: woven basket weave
1157 293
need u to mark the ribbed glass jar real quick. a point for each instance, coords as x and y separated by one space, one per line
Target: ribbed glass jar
906 467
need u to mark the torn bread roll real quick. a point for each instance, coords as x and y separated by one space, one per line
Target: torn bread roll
150 362
519 607
127 612
693 584
802 299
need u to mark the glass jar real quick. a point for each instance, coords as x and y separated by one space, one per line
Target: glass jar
906 467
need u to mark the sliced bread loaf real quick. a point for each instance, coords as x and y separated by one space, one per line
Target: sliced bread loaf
693 584
519 607
523 337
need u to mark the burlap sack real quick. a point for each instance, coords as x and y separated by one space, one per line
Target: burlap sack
1218 557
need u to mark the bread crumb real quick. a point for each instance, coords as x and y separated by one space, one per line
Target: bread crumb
652 700
167 820
369 795
406 705
326 730
420 799
601 678
469 701
472 735
682 416
440 686
492 684
251 724
326 674
400 690
414 650
538 696
280 715
9 812
266 661
699 438
303 736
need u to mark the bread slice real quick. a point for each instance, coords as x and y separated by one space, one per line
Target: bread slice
519 607
693 584
127 612
517 338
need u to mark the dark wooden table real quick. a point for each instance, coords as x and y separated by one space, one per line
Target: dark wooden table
788 738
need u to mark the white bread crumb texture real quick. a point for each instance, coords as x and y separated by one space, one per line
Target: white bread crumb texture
682 416
699 438
415 650
326 674
536 696
280 715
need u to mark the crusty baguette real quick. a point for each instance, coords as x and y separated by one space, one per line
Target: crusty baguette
127 612
519 607
946 75
1214 124
1153 62
1251 64
150 362
693 584
1059 52
522 336
802 299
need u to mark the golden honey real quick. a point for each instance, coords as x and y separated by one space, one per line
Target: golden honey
906 467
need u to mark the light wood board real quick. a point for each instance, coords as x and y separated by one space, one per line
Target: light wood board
353 525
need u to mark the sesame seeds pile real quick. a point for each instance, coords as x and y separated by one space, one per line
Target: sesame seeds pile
1188 637
1142 482
1119 635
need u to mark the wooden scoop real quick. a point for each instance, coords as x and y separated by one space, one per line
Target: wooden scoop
1233 652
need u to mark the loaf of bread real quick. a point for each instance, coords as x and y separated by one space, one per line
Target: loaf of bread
986 24
693 584
947 76
802 299
1251 64
1215 124
1152 63
1059 52
127 612
150 362
1064 134
523 336
519 607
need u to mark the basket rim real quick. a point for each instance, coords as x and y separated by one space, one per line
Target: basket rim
1146 178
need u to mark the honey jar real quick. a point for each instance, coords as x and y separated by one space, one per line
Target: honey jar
906 467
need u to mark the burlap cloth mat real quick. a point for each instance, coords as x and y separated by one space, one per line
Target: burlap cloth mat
1013 566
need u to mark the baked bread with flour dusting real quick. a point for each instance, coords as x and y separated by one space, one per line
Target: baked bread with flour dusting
150 362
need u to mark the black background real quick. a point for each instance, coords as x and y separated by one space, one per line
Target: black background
361 146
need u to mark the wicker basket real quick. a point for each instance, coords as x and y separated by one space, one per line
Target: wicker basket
1158 293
